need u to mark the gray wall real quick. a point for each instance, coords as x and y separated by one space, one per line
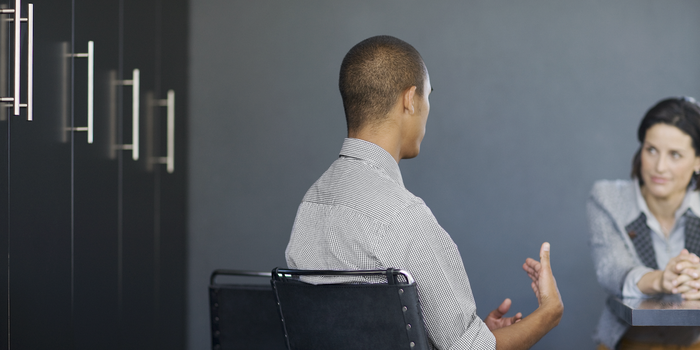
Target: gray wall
533 101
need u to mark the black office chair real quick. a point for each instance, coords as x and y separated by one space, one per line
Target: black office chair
350 315
244 316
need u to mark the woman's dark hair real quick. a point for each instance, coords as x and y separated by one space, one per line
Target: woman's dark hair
683 113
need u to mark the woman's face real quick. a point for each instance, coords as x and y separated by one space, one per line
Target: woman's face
668 161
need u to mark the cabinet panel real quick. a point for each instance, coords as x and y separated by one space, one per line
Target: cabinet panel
138 184
40 198
4 225
171 199
96 179
96 239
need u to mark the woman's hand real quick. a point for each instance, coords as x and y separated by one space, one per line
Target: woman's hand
681 275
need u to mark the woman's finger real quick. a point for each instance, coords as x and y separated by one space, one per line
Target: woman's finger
691 295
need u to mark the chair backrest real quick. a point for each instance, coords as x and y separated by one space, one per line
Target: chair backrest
350 315
244 316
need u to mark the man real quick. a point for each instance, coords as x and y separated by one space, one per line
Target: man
359 215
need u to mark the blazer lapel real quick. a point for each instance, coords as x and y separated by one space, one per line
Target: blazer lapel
692 233
640 234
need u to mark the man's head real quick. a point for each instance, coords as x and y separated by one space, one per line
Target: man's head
374 74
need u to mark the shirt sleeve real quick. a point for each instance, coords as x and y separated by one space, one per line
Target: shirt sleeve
630 289
417 243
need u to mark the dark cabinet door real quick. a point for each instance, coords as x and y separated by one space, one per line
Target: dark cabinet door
170 199
139 31
4 212
95 239
40 188
96 176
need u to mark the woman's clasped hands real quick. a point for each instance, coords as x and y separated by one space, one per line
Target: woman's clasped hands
682 275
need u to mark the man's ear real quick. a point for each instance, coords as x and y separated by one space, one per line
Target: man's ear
408 100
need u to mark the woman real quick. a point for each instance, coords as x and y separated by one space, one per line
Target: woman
645 232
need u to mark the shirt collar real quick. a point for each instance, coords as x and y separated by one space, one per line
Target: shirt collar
374 154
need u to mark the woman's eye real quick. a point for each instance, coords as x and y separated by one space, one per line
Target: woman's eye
651 150
675 155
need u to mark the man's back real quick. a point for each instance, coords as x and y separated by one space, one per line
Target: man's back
359 215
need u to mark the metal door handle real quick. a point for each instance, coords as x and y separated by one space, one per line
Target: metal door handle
18 20
90 55
135 83
169 159
30 63
16 98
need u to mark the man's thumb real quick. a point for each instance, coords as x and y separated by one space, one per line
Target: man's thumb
544 254
504 307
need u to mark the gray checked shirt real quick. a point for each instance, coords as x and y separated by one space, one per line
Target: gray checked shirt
359 216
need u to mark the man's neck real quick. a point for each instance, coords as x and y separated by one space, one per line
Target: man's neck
385 137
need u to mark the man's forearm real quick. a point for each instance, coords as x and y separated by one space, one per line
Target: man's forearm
525 333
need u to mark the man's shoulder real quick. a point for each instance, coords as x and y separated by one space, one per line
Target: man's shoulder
361 187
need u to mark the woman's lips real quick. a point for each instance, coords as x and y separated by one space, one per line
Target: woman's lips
659 180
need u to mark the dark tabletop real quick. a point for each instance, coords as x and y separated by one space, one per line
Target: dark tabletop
667 310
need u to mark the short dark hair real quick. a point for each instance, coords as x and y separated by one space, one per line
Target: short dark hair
683 113
373 75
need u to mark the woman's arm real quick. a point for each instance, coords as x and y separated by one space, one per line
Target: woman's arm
677 277
611 257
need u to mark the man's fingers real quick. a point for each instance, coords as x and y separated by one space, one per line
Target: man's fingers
501 310
504 307
534 278
535 289
532 265
510 320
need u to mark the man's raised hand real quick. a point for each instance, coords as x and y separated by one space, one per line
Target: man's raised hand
543 283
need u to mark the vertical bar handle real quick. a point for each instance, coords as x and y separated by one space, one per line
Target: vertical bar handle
90 55
15 99
30 64
17 22
135 115
135 83
170 158
91 90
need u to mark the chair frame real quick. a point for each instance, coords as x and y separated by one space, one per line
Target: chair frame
417 335
214 297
